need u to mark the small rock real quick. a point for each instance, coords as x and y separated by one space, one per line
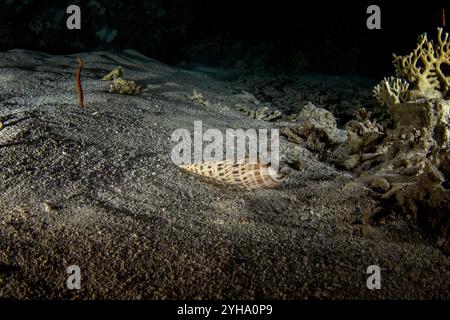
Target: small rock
441 242
368 231
49 207
380 184
352 161
367 215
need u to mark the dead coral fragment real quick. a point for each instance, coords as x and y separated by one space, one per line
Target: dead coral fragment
261 113
197 97
422 68
122 86
116 73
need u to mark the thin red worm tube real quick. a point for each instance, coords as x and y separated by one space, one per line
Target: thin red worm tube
78 83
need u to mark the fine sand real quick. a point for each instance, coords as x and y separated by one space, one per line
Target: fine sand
96 188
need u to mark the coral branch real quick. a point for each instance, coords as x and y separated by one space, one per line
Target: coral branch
391 91
422 68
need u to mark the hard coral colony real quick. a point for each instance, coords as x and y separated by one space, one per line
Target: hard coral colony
418 95
418 144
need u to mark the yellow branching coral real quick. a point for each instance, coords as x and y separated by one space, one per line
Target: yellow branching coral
422 68
391 91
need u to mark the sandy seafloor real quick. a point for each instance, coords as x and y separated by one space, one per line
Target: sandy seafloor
96 188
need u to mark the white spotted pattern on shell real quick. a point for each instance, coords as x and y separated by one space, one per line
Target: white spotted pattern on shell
247 173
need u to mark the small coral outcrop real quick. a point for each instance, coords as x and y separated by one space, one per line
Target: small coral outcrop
122 86
418 142
417 99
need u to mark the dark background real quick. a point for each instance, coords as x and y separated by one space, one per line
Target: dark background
269 37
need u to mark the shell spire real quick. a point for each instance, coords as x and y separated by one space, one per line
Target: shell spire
247 173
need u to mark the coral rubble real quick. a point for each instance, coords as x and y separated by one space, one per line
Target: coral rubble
123 86
198 98
317 127
260 114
